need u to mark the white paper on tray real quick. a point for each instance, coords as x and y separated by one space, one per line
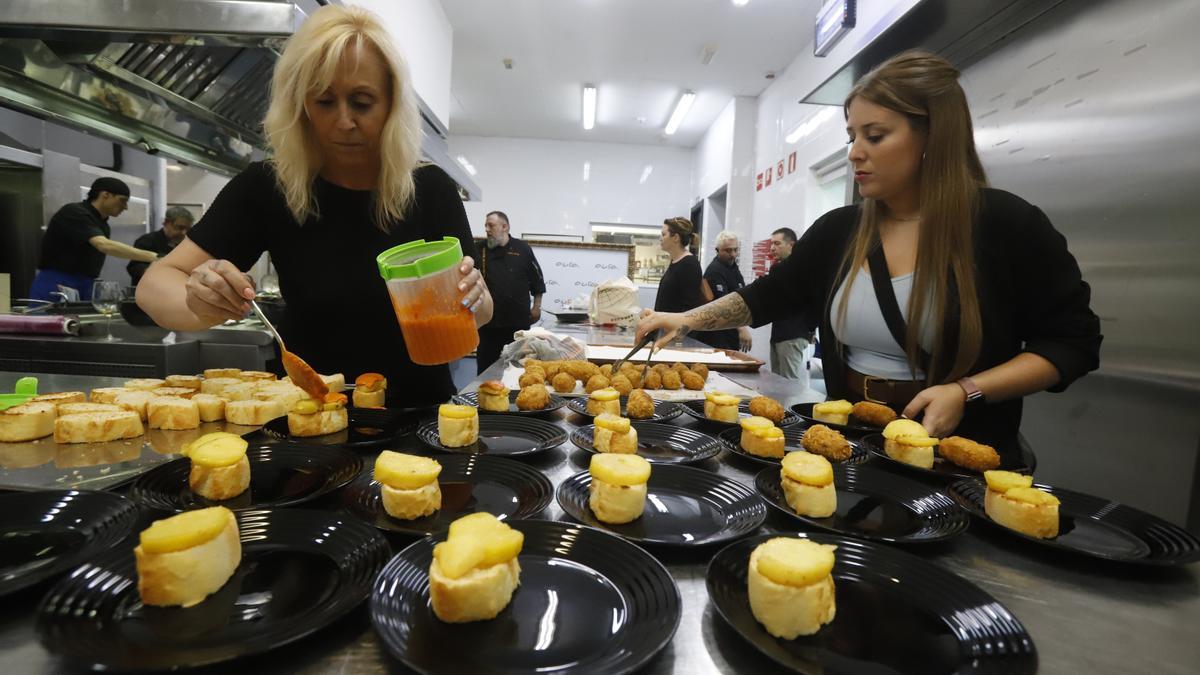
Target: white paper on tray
715 382
705 356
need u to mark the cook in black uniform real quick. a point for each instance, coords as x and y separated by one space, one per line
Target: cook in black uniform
77 239
513 275
724 277
791 335
175 227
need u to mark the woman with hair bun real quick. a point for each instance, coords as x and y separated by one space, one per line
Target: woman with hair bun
344 183
941 297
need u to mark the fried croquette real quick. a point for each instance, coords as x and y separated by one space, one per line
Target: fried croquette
875 414
671 380
595 382
621 384
581 370
660 368
968 454
606 370
533 397
700 369
692 381
563 382
679 368
653 380
640 405
821 440
765 406
532 377
552 368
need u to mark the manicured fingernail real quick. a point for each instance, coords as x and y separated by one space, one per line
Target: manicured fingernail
466 303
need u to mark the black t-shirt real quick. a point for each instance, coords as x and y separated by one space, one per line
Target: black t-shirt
65 246
723 279
339 316
512 274
679 289
151 241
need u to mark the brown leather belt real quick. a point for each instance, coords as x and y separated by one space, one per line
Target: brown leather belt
894 393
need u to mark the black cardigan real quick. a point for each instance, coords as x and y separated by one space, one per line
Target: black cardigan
1031 298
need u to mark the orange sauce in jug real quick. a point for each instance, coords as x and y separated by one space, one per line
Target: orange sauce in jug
435 335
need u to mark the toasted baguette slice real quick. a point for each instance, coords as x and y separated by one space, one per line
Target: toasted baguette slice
220 482
107 394
97 427
410 504
186 381
256 376
134 400
216 385
286 395
317 424
187 576
1034 520
28 421
61 397
252 412
172 412
145 384
211 408
76 408
181 392
478 595
375 399
210 373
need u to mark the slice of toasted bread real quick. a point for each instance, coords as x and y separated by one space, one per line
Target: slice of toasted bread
252 412
61 397
172 412
97 427
28 421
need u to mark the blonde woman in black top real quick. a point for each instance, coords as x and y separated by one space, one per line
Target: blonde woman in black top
988 304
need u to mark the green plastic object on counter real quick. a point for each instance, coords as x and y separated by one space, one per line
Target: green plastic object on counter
26 389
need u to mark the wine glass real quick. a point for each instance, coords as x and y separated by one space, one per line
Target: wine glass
106 298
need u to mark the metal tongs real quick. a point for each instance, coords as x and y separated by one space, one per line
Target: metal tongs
648 340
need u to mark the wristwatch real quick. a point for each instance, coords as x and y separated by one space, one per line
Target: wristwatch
974 395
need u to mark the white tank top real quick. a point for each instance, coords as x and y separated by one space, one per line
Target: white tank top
869 346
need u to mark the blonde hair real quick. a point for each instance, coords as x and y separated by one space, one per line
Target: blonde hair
307 65
924 88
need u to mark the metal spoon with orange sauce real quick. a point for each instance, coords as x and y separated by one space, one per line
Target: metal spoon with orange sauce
302 374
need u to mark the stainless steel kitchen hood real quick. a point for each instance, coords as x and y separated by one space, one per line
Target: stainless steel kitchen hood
189 79
962 31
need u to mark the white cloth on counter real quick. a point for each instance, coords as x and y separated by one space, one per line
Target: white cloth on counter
716 382
543 345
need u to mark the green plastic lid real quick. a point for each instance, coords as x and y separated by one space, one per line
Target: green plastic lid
419 258
26 389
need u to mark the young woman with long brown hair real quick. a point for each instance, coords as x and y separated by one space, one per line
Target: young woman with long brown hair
939 296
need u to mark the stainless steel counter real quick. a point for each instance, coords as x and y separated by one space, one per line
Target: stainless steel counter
1084 615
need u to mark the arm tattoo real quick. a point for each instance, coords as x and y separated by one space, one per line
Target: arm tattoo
728 312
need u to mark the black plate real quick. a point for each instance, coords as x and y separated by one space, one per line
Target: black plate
502 487
300 571
696 409
569 317
366 428
895 613
501 435
804 410
589 602
945 469
659 443
684 507
1097 527
663 410
472 398
46 533
281 474
732 439
874 504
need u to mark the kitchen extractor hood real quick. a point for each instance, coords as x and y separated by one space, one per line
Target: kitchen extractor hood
187 78
962 31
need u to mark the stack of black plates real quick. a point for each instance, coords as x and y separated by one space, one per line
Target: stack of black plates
1097 527
895 613
46 533
469 483
589 602
300 571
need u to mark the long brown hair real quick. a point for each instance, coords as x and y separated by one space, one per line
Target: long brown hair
683 228
924 88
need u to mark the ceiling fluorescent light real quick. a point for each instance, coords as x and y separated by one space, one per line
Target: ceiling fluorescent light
740 3
587 171
810 125
466 165
646 171
681 111
589 106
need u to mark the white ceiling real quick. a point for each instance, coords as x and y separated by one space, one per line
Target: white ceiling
640 53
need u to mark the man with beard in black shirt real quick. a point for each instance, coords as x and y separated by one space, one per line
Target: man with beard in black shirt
512 274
